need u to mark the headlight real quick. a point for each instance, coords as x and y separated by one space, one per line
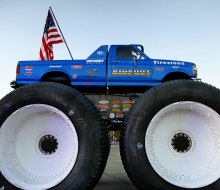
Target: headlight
194 69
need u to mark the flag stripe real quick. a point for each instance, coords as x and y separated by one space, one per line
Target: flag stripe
52 30
45 47
54 36
54 40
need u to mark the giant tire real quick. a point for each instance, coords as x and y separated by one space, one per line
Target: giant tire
51 137
171 138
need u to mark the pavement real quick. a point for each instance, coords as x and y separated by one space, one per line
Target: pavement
114 176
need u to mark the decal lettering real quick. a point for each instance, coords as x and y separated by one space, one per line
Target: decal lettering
115 106
28 68
28 73
103 110
76 66
159 62
92 72
74 76
175 67
135 72
128 102
114 71
116 110
120 115
115 101
94 61
102 106
148 72
129 71
142 72
55 66
100 53
126 105
159 68
126 109
103 102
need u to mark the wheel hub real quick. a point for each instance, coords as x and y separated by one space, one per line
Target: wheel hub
48 144
181 142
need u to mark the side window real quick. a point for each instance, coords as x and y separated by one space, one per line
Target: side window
128 53
123 53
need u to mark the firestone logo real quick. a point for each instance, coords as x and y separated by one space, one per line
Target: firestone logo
158 62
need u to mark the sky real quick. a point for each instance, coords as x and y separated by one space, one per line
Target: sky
186 30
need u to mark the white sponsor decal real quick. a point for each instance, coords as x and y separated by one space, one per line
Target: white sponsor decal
103 102
175 67
128 102
94 61
74 76
28 68
157 62
125 109
100 53
115 106
55 66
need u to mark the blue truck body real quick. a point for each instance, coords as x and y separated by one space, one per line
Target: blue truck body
119 65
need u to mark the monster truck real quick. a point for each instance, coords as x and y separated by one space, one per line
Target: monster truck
54 125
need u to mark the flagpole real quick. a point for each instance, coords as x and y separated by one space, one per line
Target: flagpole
61 32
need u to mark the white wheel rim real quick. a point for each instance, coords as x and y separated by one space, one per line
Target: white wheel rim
198 165
25 161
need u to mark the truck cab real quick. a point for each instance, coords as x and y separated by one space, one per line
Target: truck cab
129 66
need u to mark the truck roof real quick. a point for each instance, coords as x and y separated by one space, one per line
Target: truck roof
141 47
102 51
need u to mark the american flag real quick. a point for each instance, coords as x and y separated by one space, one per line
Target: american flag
50 36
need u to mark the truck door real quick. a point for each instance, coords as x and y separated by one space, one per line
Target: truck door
129 67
